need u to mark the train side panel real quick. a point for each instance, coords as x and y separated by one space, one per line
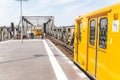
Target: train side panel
107 57
113 53
82 42
103 49
98 43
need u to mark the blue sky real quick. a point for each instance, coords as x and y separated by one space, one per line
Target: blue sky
65 11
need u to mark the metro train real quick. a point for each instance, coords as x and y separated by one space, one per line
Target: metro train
97 43
38 31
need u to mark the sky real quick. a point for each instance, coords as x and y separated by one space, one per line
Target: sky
64 11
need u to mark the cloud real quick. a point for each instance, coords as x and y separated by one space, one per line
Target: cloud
61 2
8 12
64 11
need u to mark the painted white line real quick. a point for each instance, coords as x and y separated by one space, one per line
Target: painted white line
58 50
82 75
75 68
69 62
53 45
62 54
79 73
56 67
66 58
51 42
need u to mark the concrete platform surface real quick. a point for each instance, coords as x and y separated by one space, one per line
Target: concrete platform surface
36 60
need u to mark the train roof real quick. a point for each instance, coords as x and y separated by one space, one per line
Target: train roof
103 10
100 11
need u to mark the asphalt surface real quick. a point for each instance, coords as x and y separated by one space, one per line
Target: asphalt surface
32 61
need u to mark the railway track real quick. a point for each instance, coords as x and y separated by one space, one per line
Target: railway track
67 50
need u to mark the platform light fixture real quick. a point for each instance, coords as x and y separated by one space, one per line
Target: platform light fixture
21 1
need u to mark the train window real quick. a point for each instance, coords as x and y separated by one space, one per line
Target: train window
103 33
80 31
92 32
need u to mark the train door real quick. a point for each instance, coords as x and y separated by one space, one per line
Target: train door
76 42
102 47
92 45
80 42
97 45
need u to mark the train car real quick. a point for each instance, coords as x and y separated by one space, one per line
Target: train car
97 43
38 32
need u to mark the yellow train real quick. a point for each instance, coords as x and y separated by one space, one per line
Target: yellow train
97 43
38 32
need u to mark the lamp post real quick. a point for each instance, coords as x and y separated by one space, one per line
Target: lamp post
21 20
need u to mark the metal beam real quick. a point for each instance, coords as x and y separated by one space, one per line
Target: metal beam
27 21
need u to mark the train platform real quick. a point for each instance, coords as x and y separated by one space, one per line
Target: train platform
36 60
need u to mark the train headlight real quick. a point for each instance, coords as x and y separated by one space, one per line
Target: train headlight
116 16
